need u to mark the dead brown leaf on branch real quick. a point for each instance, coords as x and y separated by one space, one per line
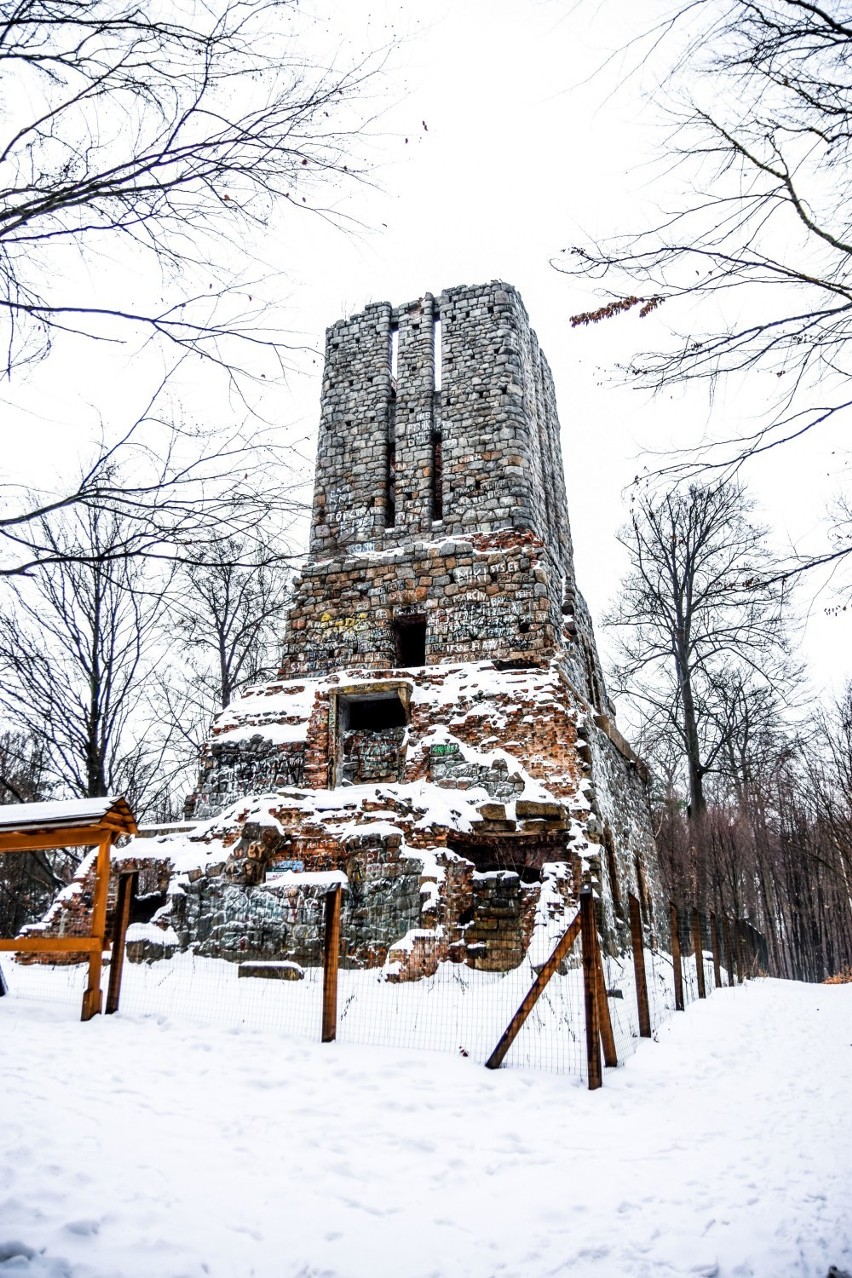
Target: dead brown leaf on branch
648 304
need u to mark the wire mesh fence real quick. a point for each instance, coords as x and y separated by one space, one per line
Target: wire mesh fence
463 1010
421 992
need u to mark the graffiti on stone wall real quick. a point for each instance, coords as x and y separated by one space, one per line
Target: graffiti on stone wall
233 773
481 622
342 640
372 756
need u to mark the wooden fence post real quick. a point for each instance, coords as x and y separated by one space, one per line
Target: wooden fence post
714 944
729 950
677 964
639 967
331 963
126 893
638 946
738 945
610 1055
588 930
698 947
750 943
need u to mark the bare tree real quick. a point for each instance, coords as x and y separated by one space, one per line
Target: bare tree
77 648
168 141
28 880
226 614
229 613
759 94
694 624
173 500
176 130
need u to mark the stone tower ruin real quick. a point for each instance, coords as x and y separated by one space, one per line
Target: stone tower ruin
439 425
439 734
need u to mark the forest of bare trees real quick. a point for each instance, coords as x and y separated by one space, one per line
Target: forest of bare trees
752 788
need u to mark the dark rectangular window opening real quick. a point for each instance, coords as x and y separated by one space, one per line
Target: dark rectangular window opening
410 641
372 714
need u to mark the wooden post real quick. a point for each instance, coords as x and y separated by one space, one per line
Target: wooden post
714 943
331 963
93 998
739 948
729 950
677 964
124 899
698 946
750 948
588 929
639 967
563 945
610 1055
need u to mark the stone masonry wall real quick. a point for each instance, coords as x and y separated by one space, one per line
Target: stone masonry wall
484 597
493 411
407 468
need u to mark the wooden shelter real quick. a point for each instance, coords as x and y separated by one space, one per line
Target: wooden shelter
71 823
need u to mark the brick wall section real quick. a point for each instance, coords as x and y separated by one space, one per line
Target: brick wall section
71 912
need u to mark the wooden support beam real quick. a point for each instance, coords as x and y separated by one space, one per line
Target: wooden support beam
714 943
126 893
93 998
677 964
698 947
638 940
50 944
588 930
331 963
560 952
46 840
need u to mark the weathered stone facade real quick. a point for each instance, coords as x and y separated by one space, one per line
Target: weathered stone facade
439 739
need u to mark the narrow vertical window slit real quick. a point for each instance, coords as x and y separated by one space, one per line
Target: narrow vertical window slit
393 352
437 459
437 476
390 464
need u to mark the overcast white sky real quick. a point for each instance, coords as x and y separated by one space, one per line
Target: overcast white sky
494 153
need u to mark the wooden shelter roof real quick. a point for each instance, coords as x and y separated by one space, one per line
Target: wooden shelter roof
112 812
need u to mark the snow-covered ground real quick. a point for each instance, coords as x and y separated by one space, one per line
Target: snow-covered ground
142 1147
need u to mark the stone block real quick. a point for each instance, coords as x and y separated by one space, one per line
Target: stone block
544 811
272 971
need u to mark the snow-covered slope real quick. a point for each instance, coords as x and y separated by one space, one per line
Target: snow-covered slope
139 1148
